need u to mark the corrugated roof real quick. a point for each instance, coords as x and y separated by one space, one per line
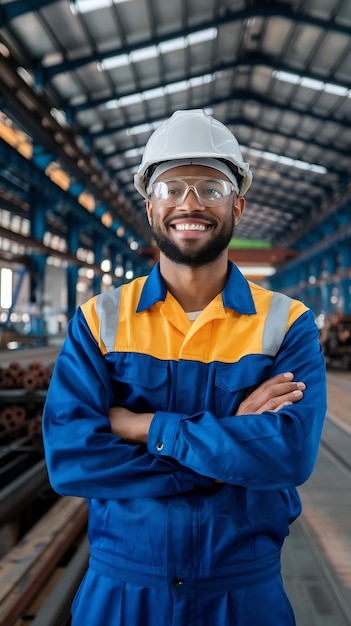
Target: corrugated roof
277 73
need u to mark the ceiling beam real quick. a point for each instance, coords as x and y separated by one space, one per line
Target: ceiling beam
17 8
250 60
239 121
33 112
264 10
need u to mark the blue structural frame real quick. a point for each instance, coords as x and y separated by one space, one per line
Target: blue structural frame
321 274
42 195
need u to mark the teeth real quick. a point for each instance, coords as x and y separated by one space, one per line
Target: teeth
190 227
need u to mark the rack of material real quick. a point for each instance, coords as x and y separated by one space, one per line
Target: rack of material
27 567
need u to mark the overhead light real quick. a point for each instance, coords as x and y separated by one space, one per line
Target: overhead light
119 60
119 271
86 6
4 51
311 83
106 219
59 115
144 54
6 288
106 280
105 265
110 104
159 92
134 98
152 52
278 158
26 76
134 152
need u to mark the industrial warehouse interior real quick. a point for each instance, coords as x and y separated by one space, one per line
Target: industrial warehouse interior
83 85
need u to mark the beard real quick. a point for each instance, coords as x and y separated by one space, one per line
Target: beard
190 256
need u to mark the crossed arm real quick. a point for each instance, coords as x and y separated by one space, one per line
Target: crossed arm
271 395
262 447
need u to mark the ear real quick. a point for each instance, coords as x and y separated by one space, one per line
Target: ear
149 211
238 208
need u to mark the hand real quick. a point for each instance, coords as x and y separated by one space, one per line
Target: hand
132 427
272 395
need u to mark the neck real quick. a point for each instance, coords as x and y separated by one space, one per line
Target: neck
195 287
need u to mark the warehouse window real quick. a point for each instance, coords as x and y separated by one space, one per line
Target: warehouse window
5 288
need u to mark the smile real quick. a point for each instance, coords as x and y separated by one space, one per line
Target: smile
200 227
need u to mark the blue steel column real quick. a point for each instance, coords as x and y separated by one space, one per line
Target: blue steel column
302 281
38 207
310 288
345 283
328 266
98 259
116 260
72 270
319 304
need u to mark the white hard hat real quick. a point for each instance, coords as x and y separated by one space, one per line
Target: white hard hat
192 134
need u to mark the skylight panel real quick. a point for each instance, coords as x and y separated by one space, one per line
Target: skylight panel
87 6
151 52
278 158
311 83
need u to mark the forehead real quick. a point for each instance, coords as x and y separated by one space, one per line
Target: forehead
193 171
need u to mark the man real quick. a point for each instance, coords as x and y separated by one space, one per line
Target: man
186 406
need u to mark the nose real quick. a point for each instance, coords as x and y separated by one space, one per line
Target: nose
191 201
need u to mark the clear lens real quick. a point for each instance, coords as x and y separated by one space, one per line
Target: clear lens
209 192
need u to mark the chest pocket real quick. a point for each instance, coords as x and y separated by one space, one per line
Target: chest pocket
140 382
234 381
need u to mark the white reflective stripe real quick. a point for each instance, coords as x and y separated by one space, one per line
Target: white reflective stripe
108 306
107 309
276 322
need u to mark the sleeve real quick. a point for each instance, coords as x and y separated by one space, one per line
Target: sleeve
83 457
271 450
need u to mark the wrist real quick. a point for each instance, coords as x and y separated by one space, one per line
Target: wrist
144 426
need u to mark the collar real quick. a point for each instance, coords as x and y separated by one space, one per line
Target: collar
235 295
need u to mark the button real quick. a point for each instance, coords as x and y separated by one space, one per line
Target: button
178 582
159 446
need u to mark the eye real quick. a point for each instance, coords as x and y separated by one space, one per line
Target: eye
174 190
213 192
210 190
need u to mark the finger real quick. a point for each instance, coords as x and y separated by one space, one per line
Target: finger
261 395
262 403
289 398
279 378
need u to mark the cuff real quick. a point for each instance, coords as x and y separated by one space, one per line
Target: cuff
163 431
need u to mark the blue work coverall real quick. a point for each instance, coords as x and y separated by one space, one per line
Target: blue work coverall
170 544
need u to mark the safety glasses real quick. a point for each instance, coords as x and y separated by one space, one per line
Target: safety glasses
209 192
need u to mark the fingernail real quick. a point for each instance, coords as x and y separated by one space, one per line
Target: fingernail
297 393
289 375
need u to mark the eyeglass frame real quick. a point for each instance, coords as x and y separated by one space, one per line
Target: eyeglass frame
222 200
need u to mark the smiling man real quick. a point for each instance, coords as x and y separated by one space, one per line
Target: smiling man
202 227
186 406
